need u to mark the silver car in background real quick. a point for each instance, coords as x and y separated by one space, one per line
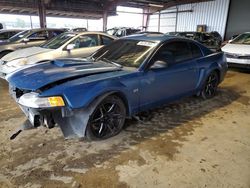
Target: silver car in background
65 45
5 34
28 38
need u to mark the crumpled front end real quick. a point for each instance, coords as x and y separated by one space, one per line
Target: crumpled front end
51 111
72 122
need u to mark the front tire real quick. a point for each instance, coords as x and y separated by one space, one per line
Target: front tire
107 119
210 88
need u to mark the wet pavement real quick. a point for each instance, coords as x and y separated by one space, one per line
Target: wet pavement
188 143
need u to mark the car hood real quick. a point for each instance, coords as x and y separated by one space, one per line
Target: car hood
26 52
56 72
242 49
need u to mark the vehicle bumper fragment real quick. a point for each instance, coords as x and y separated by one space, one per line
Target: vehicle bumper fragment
72 123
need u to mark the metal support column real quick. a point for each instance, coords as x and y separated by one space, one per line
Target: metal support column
176 19
105 21
42 13
145 19
159 21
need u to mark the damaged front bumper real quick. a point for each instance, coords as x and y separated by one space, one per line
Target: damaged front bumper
72 123
50 112
53 111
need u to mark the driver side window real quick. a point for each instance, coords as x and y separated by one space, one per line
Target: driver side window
163 58
174 52
85 41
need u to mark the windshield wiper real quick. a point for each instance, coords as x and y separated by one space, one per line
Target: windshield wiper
111 62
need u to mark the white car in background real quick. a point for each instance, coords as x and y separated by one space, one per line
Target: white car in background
65 45
237 51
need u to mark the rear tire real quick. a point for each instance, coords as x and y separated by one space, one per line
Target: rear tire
107 119
210 88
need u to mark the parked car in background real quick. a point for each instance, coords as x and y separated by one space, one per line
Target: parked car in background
122 31
149 32
92 97
228 41
211 40
79 29
28 38
237 51
174 33
69 44
5 34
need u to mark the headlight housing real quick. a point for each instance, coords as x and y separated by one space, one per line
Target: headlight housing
32 100
17 63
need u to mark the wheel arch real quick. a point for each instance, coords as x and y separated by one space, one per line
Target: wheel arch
218 72
117 93
4 51
205 74
214 69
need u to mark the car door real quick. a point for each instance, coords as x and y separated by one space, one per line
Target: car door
173 74
84 46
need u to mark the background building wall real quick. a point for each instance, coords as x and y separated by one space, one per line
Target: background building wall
238 18
211 13
167 21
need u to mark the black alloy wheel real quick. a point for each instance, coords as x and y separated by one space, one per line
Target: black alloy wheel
211 86
107 120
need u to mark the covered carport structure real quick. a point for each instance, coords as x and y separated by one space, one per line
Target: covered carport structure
187 143
88 9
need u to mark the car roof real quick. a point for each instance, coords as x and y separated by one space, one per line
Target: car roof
42 29
89 32
9 30
159 37
151 37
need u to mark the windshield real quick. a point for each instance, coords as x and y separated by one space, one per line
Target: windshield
20 35
58 41
242 39
127 53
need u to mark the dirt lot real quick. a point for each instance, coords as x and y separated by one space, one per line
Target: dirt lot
189 143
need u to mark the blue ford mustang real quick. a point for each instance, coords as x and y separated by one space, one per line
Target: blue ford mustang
92 97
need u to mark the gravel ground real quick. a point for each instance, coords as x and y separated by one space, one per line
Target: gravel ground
188 143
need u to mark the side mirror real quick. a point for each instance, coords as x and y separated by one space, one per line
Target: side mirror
70 47
26 40
159 64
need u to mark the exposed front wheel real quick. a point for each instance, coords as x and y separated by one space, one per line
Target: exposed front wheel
210 87
107 119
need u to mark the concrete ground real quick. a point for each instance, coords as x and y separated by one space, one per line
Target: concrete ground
188 143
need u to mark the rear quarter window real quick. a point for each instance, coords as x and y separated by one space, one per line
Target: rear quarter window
180 50
196 51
